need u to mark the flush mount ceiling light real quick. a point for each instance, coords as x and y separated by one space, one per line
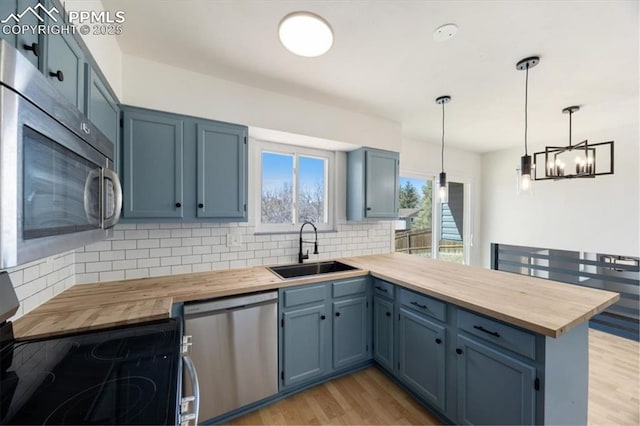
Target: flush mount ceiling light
443 190
445 32
525 170
582 155
305 34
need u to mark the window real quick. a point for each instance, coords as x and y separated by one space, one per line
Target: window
295 186
414 228
429 228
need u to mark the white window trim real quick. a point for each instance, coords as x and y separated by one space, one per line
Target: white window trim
330 199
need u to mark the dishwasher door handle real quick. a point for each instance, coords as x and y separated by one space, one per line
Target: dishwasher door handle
193 376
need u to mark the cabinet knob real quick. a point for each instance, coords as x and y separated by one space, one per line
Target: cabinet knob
178 205
388 314
438 341
368 208
58 74
337 314
459 351
34 47
322 317
200 205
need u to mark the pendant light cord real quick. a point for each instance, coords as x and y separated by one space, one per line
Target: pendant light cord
526 96
442 151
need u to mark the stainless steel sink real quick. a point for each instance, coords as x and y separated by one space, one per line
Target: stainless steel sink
308 269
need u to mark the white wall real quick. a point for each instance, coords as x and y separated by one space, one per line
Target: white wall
419 158
594 215
158 86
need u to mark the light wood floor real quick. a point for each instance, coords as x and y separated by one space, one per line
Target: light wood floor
369 397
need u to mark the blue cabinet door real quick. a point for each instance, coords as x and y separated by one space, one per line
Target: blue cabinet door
100 107
383 332
222 171
304 343
382 180
64 66
350 331
153 146
7 8
29 43
493 387
421 353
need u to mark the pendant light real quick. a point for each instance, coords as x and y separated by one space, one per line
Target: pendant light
443 189
525 171
582 155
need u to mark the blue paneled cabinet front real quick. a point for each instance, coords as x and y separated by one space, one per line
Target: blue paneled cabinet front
27 43
383 342
100 107
493 386
183 168
153 146
421 356
350 331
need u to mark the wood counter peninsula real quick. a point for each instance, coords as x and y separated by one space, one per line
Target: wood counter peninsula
488 323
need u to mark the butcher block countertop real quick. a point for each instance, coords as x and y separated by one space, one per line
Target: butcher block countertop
538 305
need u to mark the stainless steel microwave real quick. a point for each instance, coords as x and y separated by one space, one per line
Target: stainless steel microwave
58 188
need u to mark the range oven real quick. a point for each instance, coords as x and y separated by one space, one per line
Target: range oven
118 376
58 188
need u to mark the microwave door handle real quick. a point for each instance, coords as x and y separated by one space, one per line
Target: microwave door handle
117 193
89 211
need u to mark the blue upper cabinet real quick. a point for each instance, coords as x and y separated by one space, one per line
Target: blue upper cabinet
64 66
372 184
222 174
153 146
27 42
100 106
183 168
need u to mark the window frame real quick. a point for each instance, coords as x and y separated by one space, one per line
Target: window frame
296 151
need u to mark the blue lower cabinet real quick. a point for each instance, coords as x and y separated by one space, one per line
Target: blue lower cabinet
383 332
421 356
304 335
350 331
493 387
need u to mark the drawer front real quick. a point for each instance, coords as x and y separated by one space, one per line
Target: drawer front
383 289
348 287
506 336
424 304
303 295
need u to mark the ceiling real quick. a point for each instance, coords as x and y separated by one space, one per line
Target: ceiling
384 61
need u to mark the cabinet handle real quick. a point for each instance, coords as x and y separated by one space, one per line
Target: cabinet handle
459 351
388 314
58 74
368 208
322 317
178 205
337 314
438 340
34 47
484 330
382 289
201 205
419 305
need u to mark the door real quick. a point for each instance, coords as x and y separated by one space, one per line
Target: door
222 177
350 342
383 332
100 107
153 153
421 363
381 184
493 387
65 67
305 334
27 42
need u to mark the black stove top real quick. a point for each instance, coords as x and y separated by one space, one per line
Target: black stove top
119 376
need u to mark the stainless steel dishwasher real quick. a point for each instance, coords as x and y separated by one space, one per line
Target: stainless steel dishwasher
234 349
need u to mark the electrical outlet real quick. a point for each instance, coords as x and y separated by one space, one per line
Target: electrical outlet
234 239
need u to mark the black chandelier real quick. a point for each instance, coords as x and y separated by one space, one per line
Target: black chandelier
574 161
